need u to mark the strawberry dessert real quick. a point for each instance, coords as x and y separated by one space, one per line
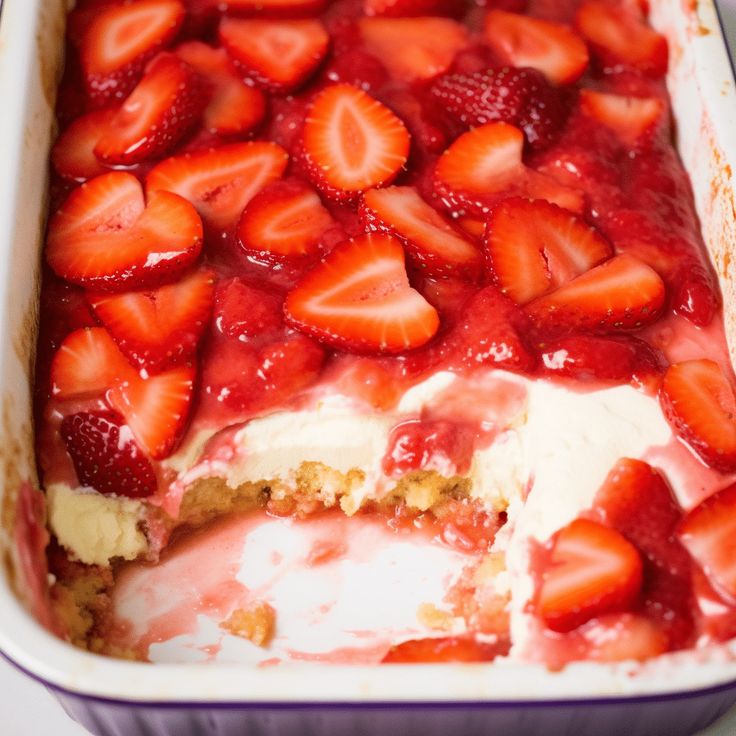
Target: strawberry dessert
380 331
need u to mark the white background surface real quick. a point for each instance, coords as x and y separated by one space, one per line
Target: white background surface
27 709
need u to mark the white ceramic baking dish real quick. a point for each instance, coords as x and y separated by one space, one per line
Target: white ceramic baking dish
675 694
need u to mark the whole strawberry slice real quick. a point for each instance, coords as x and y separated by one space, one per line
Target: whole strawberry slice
279 55
105 455
106 237
592 570
444 649
87 363
158 328
156 408
698 400
351 142
413 49
234 108
621 36
629 118
73 154
534 247
708 532
221 181
359 299
286 219
552 48
120 40
484 165
434 245
620 294
155 116
521 97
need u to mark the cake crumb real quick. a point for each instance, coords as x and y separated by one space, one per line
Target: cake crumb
434 618
257 623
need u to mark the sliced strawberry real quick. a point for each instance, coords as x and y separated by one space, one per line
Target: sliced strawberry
156 114
521 97
487 334
156 408
398 8
106 237
413 48
434 245
592 358
635 500
618 637
621 36
628 117
620 294
105 455
221 181
286 219
352 142
158 328
243 311
592 570
73 154
698 400
534 247
552 48
444 649
359 298
279 55
234 108
87 363
485 164
120 40
709 534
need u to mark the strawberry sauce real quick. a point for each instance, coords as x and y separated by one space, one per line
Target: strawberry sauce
264 207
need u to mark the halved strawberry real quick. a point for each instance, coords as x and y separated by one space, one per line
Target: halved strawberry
87 363
620 294
286 219
592 570
552 48
359 299
413 48
279 55
709 534
698 400
433 244
628 117
444 649
155 116
621 36
484 164
158 328
105 236
156 408
105 455
234 108
73 154
352 142
221 181
398 8
120 40
533 247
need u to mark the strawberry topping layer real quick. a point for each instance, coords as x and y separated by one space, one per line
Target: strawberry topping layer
253 200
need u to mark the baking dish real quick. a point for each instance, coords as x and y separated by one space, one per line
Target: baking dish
676 694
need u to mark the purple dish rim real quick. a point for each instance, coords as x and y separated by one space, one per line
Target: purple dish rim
379 705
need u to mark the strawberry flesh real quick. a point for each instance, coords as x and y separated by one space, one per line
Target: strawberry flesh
444 649
359 299
699 402
105 455
73 154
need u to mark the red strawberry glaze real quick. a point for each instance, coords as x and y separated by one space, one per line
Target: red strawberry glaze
620 175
